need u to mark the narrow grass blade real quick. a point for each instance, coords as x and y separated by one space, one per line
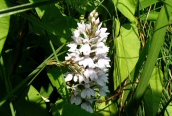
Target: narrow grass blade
23 8
31 75
157 41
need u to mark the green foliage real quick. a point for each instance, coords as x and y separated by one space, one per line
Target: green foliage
57 79
74 110
127 53
4 24
32 99
33 37
127 8
147 3
106 108
60 108
28 103
153 93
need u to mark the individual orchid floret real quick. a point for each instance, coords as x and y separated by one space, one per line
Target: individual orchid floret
76 98
88 63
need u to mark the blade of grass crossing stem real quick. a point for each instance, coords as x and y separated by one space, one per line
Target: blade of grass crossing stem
31 75
7 84
157 42
24 7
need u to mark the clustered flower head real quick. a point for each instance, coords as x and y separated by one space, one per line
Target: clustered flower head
88 61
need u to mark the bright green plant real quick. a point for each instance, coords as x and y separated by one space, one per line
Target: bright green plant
36 38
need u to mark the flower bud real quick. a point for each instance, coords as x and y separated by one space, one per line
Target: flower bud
96 14
93 20
97 22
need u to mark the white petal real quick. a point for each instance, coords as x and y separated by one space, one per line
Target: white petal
81 27
76 33
75 78
81 78
85 49
69 77
101 48
75 99
100 82
78 100
72 47
84 93
86 106
91 73
103 63
87 92
87 61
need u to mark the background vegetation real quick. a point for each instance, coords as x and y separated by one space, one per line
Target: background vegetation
33 37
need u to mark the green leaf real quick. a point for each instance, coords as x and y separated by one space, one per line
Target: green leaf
168 111
30 103
57 79
156 44
59 22
106 108
40 10
152 17
4 25
73 110
147 3
152 96
127 53
46 92
23 7
57 108
117 27
127 8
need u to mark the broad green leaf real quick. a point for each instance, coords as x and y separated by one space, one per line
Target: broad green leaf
30 103
46 92
147 3
4 25
74 110
156 44
168 111
127 53
152 16
152 96
127 8
57 79
61 24
106 108
40 10
57 108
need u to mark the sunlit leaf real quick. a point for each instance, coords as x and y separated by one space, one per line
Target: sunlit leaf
4 25
153 93
46 91
30 103
127 8
57 108
57 79
40 10
147 3
168 111
106 108
127 51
